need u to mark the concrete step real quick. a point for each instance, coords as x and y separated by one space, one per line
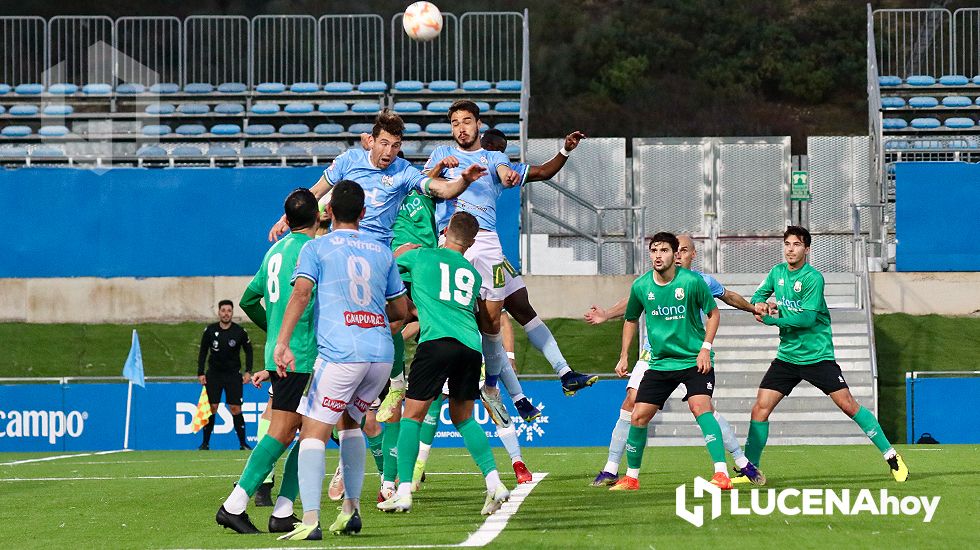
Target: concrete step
726 379
723 340
792 404
548 260
750 354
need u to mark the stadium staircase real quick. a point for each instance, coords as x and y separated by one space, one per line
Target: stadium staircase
743 351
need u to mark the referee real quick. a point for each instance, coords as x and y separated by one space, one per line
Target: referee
225 340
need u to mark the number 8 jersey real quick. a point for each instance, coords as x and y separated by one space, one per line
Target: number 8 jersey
445 290
355 277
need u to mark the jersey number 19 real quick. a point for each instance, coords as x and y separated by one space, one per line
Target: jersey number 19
463 279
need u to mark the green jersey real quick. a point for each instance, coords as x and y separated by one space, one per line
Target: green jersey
445 292
673 317
804 320
416 223
272 283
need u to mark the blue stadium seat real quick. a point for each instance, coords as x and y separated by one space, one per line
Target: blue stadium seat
232 88
198 88
512 150
62 88
130 89
160 109
978 101
194 108
48 152
438 107
294 129
28 89
190 130
925 123
226 129
409 86
222 151
2 109
13 152
412 128
97 88
920 80
298 108
265 108
954 80
304 87
332 107
57 130
361 128
365 107
186 151
476 86
16 131
483 106
256 151
5 89
328 128
292 151
229 108
151 151
259 129
443 86
484 127
271 88
894 124
411 147
338 87
959 123
429 148
156 130
509 85
164 88
888 102
58 109
515 106
404 107
923 102
326 150
957 101
372 87
23 110
441 128
509 127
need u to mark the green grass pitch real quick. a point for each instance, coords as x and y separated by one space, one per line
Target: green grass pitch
168 500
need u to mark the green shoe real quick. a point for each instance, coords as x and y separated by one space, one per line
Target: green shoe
304 532
391 403
346 524
418 475
396 504
495 500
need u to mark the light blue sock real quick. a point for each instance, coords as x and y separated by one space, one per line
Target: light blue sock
310 469
729 439
494 356
617 443
541 338
353 455
513 385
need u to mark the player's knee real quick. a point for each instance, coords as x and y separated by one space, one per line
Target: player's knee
760 412
697 409
640 418
629 402
460 413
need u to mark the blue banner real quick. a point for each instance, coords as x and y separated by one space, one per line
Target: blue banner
91 417
945 408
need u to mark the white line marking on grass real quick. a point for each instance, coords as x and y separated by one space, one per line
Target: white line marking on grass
47 458
105 478
922 450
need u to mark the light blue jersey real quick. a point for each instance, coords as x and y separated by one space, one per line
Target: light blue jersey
355 277
717 291
384 190
480 198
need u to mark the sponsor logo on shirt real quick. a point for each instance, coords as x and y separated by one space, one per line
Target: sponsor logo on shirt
792 305
335 405
797 286
364 319
670 313
679 293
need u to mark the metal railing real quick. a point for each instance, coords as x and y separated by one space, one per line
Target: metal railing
217 48
866 301
352 48
23 49
914 41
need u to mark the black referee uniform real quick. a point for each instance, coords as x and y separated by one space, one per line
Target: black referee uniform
223 373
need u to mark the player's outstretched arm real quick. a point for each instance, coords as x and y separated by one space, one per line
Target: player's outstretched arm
597 315
629 332
548 170
283 356
450 189
737 301
508 176
319 189
444 163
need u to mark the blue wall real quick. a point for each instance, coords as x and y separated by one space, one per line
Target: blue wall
131 222
936 216
945 408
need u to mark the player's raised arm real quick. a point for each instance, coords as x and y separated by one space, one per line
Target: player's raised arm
597 315
548 170
450 189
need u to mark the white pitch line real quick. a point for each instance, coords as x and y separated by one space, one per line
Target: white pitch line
47 458
125 478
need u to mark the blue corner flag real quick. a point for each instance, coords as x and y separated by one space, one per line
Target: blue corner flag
133 369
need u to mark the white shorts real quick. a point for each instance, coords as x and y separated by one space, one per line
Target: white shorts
500 279
339 387
636 375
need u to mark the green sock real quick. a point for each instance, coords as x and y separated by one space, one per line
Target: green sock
264 429
408 448
477 444
398 366
260 463
375 444
431 422
636 441
712 436
870 426
289 487
756 441
389 446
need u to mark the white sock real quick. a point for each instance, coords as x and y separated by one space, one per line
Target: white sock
741 462
424 452
633 473
492 479
611 467
721 467
237 501
517 397
508 436
891 452
404 489
284 508
388 485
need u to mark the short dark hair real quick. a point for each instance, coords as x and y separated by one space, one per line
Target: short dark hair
389 122
347 201
463 226
800 232
464 105
301 208
493 136
226 303
665 237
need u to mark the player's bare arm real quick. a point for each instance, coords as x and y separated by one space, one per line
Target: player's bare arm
445 163
405 248
508 176
629 332
737 301
710 330
397 311
548 170
450 189
597 315
319 189
283 356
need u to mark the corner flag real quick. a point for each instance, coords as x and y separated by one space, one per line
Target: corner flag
203 412
133 369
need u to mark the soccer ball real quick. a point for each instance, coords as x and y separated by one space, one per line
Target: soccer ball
422 21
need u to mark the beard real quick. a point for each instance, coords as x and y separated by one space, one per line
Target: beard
469 144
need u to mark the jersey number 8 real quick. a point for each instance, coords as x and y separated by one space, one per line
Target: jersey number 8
272 279
359 271
463 279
